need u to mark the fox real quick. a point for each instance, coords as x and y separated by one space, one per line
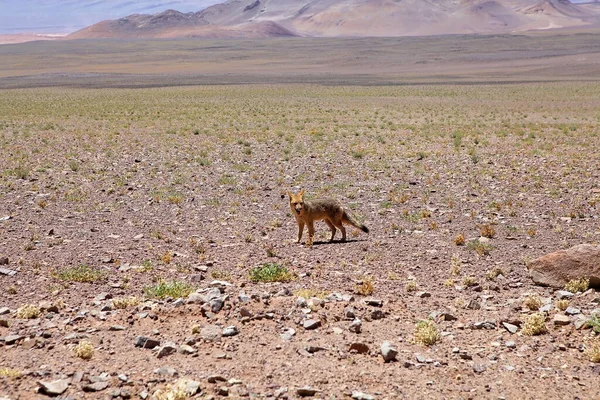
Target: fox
329 210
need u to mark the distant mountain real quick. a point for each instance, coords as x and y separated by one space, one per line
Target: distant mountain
352 18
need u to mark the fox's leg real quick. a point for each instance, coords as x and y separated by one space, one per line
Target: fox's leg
300 229
340 226
311 231
332 227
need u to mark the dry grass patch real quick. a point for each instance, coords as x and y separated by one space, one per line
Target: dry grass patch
270 272
308 293
28 311
533 302
82 273
125 302
459 240
593 351
562 304
172 289
535 324
366 287
411 286
10 373
84 349
426 333
578 285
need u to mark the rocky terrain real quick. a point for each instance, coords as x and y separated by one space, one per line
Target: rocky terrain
147 248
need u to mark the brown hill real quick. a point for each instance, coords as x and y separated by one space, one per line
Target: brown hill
339 18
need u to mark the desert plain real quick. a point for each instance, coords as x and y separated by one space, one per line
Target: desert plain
148 248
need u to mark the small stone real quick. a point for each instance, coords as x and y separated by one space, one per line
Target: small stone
580 321
377 314
216 305
54 388
288 334
223 391
216 378
510 344
484 325
360 348
311 324
423 295
192 387
211 333
572 311
349 313
563 294
12 339
374 302
479 368
546 308
167 349
95 387
117 328
165 371
230 331
510 327
388 351
355 326
186 349
561 320
301 302
362 396
4 310
306 391
146 342
4 260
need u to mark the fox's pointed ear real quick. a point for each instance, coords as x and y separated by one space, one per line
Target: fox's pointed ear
301 192
289 194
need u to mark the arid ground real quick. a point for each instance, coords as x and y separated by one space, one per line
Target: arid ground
136 174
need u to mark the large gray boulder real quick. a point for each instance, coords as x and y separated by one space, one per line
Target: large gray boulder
558 268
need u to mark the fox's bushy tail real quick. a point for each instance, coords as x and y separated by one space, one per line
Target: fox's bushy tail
348 218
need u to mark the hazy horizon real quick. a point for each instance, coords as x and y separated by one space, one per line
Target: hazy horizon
67 16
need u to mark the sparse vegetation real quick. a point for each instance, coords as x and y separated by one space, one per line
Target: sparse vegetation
366 287
9 373
426 333
411 286
594 323
533 302
592 350
578 285
535 324
84 349
28 311
172 289
125 302
270 272
82 273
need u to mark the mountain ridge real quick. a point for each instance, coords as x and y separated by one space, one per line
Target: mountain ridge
351 18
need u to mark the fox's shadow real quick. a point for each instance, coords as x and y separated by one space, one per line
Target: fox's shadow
326 242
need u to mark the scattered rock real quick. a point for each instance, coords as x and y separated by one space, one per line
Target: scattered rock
306 391
216 378
349 313
94 387
479 368
423 295
288 334
362 396
355 326
572 311
388 351
146 342
167 349
187 350
12 339
374 302
510 327
484 325
360 348
558 268
230 331
561 320
211 333
311 324
166 371
3 260
6 271
563 294
54 388
4 310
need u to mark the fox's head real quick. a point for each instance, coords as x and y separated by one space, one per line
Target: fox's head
297 201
